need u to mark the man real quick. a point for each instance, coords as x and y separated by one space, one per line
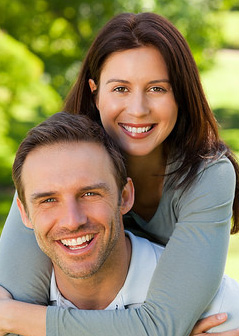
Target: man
73 191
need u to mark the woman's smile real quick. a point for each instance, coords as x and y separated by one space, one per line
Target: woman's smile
138 131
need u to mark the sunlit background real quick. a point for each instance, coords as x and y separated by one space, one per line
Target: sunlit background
42 44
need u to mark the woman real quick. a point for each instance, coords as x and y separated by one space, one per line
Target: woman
140 81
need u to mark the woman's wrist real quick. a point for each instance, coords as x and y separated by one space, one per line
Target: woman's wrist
22 318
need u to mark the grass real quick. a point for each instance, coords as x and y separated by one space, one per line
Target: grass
221 83
232 265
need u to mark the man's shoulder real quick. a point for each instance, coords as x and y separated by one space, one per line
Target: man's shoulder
143 246
144 259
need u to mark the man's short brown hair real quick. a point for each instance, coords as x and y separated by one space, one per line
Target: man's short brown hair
65 127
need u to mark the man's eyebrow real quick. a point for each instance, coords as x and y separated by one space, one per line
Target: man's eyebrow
38 195
118 80
101 185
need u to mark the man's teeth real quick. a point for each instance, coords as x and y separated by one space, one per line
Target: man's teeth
77 241
137 129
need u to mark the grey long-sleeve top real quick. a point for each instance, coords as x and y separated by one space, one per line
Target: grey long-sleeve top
195 224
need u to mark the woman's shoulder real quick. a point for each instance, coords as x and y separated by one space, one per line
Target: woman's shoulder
220 163
209 170
219 170
214 177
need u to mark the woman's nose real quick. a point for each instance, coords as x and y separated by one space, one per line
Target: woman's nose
138 105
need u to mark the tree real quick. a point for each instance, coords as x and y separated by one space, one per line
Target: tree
59 32
25 99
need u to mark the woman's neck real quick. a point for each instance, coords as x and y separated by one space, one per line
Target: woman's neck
148 165
147 173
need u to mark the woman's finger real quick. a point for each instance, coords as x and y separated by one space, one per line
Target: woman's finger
207 323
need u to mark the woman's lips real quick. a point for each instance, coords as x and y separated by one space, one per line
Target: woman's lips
137 131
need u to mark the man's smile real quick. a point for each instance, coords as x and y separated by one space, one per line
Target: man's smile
77 243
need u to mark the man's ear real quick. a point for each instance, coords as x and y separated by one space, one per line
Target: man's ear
24 214
127 196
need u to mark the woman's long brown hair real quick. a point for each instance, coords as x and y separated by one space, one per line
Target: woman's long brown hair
195 138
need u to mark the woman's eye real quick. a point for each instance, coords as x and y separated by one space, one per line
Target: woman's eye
157 89
120 89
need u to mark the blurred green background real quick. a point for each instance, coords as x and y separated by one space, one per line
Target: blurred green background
42 45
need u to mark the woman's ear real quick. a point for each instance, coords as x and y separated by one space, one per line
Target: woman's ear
127 196
93 86
24 214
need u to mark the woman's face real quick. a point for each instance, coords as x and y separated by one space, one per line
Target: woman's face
135 100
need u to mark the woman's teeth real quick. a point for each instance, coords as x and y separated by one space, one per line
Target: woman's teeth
137 130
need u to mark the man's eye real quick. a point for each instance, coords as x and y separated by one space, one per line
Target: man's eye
89 194
49 200
92 194
120 89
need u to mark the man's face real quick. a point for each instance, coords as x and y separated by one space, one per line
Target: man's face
73 205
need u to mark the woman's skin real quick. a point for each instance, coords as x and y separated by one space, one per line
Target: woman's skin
138 109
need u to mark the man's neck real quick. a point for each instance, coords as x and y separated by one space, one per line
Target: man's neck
99 290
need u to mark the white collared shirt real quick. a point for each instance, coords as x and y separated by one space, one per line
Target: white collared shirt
144 259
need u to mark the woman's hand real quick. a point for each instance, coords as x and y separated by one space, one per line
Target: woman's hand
202 326
5 296
20 317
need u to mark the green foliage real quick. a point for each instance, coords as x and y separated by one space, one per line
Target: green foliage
198 24
59 32
221 83
25 99
6 197
230 32
232 268
231 138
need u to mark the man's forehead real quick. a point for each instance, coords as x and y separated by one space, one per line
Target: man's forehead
93 151
85 164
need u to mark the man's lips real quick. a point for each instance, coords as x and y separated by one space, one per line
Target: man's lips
78 242
137 131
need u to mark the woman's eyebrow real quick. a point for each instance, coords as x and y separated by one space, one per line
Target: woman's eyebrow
117 80
163 80
113 80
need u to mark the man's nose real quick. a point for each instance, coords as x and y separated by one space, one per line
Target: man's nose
138 105
73 215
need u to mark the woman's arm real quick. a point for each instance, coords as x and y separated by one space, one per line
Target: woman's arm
188 273
21 318
185 279
24 270
30 320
